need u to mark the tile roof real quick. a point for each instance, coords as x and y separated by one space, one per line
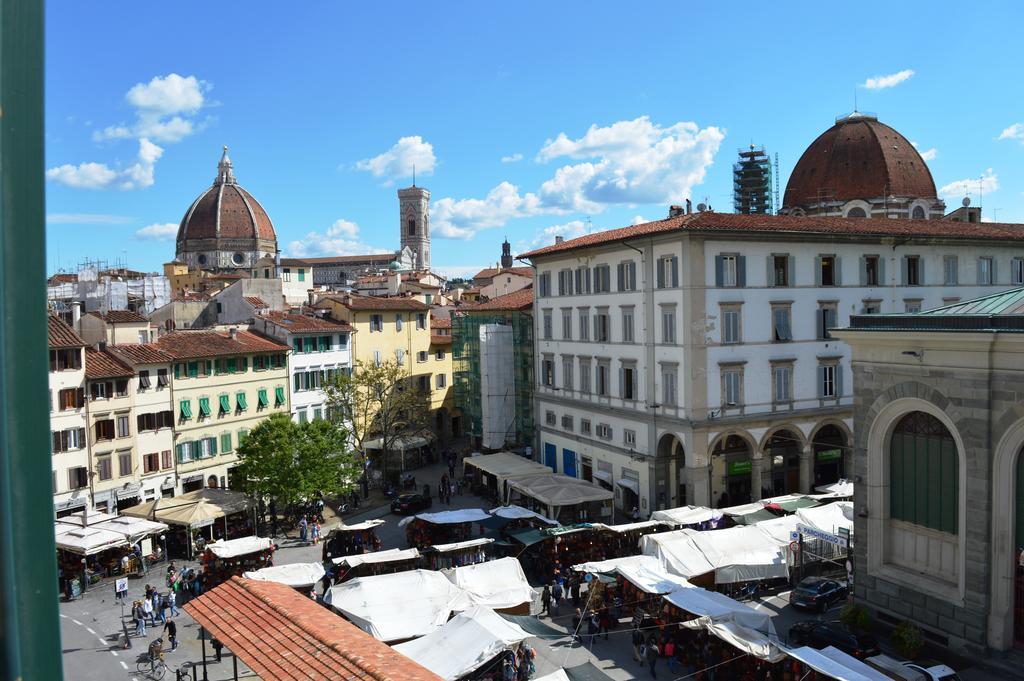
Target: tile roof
140 353
120 317
255 301
517 300
438 339
788 224
300 323
491 272
347 259
62 278
281 634
293 262
61 335
191 344
356 302
440 322
102 364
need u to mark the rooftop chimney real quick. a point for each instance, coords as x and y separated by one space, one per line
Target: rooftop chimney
233 333
559 239
689 206
76 316
675 211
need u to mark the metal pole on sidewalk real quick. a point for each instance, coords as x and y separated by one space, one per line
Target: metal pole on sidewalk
234 664
202 637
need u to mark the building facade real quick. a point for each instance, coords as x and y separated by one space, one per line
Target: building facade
690 360
68 419
110 394
447 418
414 215
939 462
115 326
321 349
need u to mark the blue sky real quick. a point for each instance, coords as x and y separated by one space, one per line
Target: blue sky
524 120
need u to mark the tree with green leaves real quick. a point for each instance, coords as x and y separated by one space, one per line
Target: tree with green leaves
379 401
290 462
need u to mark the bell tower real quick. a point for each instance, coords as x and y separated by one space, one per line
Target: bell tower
414 223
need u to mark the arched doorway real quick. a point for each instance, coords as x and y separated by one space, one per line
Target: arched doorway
782 464
731 465
830 451
671 463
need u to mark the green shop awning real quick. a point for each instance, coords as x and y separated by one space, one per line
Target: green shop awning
278 396
529 537
795 504
186 409
204 406
534 626
225 404
755 517
240 399
261 398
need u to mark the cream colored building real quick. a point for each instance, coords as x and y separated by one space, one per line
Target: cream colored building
223 383
69 445
113 470
116 326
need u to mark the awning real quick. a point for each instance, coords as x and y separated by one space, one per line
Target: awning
358 527
282 634
533 625
630 484
795 504
605 476
834 666
514 512
294 575
241 401
399 443
87 541
557 490
755 517
466 515
630 527
459 545
243 546
193 509
376 557
262 401
499 584
278 396
687 515
842 488
225 404
529 537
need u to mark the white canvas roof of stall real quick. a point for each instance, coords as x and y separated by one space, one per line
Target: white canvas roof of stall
469 543
505 465
677 552
388 556
133 528
243 546
497 584
835 666
629 527
842 488
358 527
401 443
555 489
614 564
742 553
399 606
86 541
516 512
461 646
464 515
687 515
652 579
779 529
294 574
86 518
828 518
736 623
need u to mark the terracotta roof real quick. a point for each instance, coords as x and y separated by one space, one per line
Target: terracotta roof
228 275
140 353
191 344
826 227
102 364
858 158
440 322
255 301
282 634
294 262
120 317
437 339
356 302
511 302
348 259
61 335
226 211
62 278
491 272
301 323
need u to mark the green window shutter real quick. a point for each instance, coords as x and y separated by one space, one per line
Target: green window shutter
262 399
324 343
213 445
296 381
297 344
240 400
225 443
179 451
243 364
193 369
177 370
225 404
209 367
204 406
279 396
186 409
242 434
310 343
232 365
302 274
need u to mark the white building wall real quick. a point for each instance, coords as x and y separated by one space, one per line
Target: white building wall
63 420
339 357
154 400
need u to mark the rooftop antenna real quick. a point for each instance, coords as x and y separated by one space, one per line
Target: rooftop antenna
981 191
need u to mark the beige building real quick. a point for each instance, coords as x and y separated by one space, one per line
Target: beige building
223 384
116 326
69 445
113 470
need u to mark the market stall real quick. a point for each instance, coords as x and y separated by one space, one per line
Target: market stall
348 540
622 540
695 517
301 576
841 489
412 451
226 558
498 584
560 497
835 664
464 644
197 517
375 563
488 473
444 527
548 553
457 554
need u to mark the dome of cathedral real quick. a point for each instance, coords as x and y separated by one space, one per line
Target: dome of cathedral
858 158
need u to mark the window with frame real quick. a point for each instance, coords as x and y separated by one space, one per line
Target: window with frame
828 270
71 398
731 327
828 380
398 322
421 356
986 271
565 282
827 319
421 323
423 383
872 307
627 275
602 278
99 390
627 324
782 330
104 467
549 417
668 271
161 378
582 280
911 305
602 331
603 371
123 426
547 372
377 357
439 355
871 270
78 477
104 430
585 375
166 459
913 270
924 486
144 382
782 383
730 271
584 314
584 426
546 328
567 324
917 213
124 464
376 323
566 422
628 437
1017 271
669 383
66 360
732 387
604 431
628 382
544 285
780 269
567 383
225 443
950 276
151 462
668 324
441 381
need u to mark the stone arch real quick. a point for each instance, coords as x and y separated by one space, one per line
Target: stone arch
838 423
732 465
856 209
1007 456
825 467
781 454
884 415
771 432
919 210
671 462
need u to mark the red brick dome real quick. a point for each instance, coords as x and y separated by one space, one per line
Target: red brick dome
226 211
858 158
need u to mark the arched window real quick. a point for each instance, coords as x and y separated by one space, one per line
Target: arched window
924 474
918 213
856 212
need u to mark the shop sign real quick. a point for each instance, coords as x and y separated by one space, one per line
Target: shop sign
743 467
203 523
830 454
813 533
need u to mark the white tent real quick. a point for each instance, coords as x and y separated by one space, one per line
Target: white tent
388 556
232 548
516 512
839 489
365 525
498 584
399 606
295 575
468 641
86 541
742 553
505 465
677 552
468 544
615 564
779 529
738 624
828 518
652 579
133 529
687 515
465 515
629 527
835 666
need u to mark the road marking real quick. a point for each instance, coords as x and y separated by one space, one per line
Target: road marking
76 621
65 617
90 631
114 653
123 664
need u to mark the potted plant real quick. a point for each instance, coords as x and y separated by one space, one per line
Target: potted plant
908 639
855 616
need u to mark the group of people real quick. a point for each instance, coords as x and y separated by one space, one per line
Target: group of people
447 488
309 531
154 606
519 665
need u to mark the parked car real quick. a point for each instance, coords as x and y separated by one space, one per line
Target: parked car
939 672
410 503
823 634
817 593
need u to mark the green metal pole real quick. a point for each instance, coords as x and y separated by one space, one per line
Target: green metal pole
30 634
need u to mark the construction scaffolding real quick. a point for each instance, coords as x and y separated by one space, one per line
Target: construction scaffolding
752 182
493 376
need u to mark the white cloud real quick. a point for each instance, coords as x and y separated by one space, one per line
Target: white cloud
892 80
399 161
164 108
1014 132
628 162
341 238
639 219
568 230
165 231
986 184
928 154
512 159
139 175
86 219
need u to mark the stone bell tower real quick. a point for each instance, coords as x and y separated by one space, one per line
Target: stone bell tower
414 214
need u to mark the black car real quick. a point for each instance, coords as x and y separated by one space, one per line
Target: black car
817 593
410 503
824 634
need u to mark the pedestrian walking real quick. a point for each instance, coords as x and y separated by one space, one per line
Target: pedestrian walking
217 647
140 618
172 602
160 604
303 529
171 629
603 620
316 533
652 656
545 600
574 589
556 597
638 642
592 628
147 609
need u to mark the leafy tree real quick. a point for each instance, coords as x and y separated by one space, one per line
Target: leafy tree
379 401
289 462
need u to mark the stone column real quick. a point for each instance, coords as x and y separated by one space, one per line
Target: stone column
699 486
756 465
806 468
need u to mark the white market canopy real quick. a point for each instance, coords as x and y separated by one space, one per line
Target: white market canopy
295 575
630 527
687 515
555 490
388 556
505 465
498 584
192 509
828 518
132 528
742 553
652 579
836 664
243 546
465 515
102 532
514 512
358 527
677 552
462 645
399 444
86 541
456 546
398 606
612 565
842 488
